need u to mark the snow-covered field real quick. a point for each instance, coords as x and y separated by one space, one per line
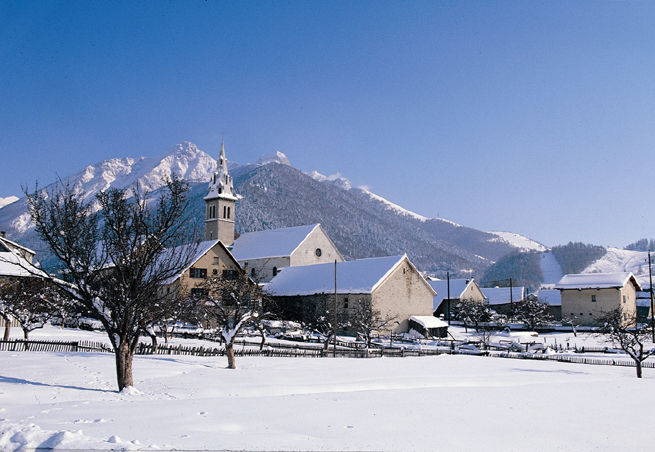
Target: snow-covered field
68 401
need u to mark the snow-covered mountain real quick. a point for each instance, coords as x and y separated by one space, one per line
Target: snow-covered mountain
362 223
8 200
184 160
519 241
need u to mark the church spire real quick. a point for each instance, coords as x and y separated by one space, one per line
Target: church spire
220 203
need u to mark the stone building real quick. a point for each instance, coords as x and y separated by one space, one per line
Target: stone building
391 284
590 296
459 289
268 252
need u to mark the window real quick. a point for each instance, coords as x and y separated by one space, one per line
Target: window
228 212
224 211
345 303
593 298
230 274
318 252
198 272
274 271
215 260
198 292
214 272
624 299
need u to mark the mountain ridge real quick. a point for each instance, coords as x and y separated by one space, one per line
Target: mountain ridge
363 223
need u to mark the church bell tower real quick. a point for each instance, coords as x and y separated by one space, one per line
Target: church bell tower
220 204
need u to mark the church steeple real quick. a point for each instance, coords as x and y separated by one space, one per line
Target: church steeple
220 204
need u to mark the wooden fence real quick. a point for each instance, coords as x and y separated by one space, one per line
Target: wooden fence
20 345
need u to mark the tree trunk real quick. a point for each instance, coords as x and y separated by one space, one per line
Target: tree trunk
26 336
261 344
638 366
124 357
7 327
153 339
229 351
165 330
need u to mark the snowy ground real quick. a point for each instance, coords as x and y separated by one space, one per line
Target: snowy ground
68 401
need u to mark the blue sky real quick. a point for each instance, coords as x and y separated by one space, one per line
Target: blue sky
533 117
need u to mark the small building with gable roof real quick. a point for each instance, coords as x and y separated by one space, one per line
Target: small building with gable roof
267 252
210 258
459 289
503 299
590 296
392 285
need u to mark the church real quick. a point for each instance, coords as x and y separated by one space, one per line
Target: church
296 263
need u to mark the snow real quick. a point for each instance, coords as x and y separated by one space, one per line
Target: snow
359 276
616 260
551 297
69 401
519 241
271 243
550 268
501 295
12 264
336 178
428 321
8 200
276 157
594 281
395 207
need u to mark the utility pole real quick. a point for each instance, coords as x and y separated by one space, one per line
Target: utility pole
652 315
448 294
511 300
334 351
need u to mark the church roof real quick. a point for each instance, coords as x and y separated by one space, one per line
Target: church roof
360 276
270 243
221 184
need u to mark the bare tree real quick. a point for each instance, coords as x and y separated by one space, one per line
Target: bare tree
366 319
32 301
116 252
624 332
532 312
231 302
473 313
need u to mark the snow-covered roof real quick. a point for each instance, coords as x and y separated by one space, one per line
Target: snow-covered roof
12 244
271 243
428 321
552 297
501 295
361 276
596 281
457 287
13 264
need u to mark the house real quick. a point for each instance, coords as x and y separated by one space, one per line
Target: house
459 289
16 261
643 304
267 252
553 298
391 285
589 296
210 258
502 299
